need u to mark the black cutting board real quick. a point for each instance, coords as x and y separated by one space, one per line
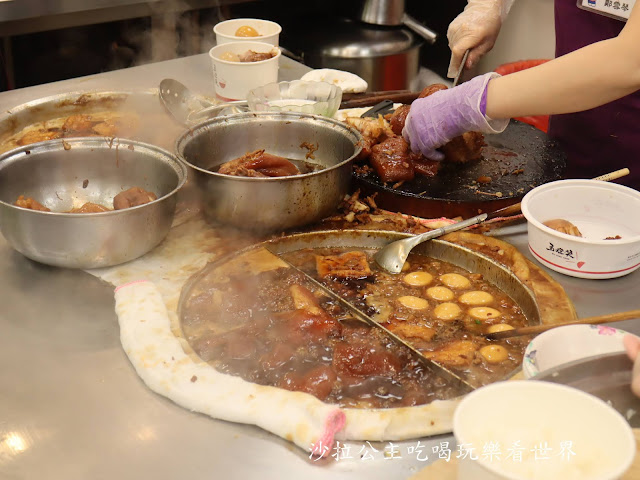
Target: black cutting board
516 160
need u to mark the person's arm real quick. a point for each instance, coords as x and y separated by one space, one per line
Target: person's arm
476 30
632 346
584 79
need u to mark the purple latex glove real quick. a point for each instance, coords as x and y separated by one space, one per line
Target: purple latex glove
435 120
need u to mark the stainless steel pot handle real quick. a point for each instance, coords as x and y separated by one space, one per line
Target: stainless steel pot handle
429 35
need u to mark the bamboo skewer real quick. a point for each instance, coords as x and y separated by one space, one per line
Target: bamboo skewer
607 177
535 329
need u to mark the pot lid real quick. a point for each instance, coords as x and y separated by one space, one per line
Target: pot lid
356 40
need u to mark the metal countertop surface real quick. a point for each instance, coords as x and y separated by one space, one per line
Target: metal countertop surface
72 406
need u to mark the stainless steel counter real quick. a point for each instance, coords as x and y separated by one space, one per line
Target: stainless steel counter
72 407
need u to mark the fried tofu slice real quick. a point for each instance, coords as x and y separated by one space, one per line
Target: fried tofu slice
457 354
409 330
349 265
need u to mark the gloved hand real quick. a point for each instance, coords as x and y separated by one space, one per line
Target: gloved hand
442 116
475 29
632 346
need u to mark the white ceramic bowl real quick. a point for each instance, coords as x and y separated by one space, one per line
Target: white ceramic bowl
234 80
566 344
318 98
599 210
226 31
525 418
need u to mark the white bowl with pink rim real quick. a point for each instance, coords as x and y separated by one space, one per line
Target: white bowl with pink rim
607 215
566 344
233 79
268 31
535 430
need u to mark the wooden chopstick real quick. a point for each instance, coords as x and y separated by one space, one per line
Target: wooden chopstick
515 208
369 99
535 329
607 177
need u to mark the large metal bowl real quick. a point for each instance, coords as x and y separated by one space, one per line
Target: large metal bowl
65 174
268 204
156 125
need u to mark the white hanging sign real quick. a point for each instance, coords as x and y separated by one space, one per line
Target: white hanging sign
618 9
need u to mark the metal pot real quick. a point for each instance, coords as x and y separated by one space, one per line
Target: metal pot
64 174
268 204
386 57
391 13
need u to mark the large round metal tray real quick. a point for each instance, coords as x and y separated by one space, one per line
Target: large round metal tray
517 160
156 126
463 257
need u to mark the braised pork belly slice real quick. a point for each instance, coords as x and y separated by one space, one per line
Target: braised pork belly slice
259 164
392 160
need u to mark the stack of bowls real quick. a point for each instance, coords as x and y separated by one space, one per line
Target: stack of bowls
232 79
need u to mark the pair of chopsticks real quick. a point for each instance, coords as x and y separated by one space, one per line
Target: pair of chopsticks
535 329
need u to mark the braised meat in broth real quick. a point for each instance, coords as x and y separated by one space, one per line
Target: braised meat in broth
89 207
259 164
251 56
273 327
133 197
30 203
563 226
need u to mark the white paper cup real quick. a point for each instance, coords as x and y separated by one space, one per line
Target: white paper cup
587 439
234 80
226 31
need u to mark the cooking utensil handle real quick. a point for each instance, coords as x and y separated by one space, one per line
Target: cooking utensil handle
535 329
607 177
438 232
515 208
367 99
381 108
429 35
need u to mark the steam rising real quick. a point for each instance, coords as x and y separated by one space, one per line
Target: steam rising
176 30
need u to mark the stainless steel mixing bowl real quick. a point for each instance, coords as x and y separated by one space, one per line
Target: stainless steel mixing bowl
268 204
65 174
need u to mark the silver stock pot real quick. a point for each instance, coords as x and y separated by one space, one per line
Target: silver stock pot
279 203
